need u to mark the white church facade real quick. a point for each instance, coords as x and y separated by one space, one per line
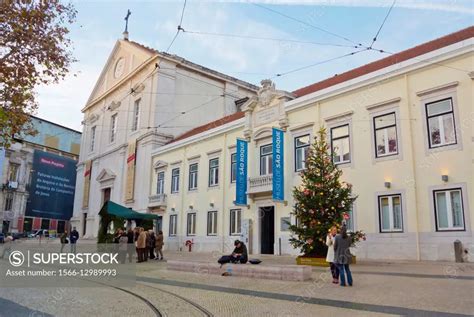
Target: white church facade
141 101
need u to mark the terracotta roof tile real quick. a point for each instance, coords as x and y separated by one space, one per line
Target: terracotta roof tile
388 61
210 125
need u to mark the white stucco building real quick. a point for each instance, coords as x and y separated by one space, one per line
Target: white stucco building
142 100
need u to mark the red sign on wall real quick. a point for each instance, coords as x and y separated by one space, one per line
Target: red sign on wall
20 224
36 223
53 224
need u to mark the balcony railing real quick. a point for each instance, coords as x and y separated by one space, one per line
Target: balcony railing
158 200
260 184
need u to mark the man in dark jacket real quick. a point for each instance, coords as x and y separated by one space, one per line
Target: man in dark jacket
239 255
240 252
73 237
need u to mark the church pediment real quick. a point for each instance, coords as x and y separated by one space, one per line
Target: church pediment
105 175
125 57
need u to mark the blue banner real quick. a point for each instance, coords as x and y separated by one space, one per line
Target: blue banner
52 186
241 177
2 158
277 165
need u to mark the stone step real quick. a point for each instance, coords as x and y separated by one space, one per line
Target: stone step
274 272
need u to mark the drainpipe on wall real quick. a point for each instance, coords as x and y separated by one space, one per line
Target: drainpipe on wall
224 183
407 94
181 193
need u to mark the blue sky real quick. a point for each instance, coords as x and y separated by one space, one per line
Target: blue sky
153 23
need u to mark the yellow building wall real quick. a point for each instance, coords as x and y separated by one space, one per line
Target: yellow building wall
413 173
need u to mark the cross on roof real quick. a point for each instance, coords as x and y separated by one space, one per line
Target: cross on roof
126 20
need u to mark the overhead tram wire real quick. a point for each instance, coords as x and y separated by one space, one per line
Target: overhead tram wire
318 63
251 37
309 24
383 23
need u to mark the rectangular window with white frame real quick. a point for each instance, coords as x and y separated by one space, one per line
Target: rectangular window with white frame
301 151
193 176
449 211
390 213
173 225
213 172
266 159
160 183
13 172
235 221
440 123
8 201
233 167
175 180
136 115
191 224
212 223
340 144
385 134
113 128
92 144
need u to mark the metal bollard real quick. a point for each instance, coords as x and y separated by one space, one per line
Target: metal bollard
458 251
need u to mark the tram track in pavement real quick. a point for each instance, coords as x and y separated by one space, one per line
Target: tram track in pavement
156 310
190 302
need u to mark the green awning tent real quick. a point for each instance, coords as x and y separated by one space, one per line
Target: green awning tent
112 213
113 209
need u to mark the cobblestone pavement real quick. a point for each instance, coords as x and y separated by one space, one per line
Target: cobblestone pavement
380 289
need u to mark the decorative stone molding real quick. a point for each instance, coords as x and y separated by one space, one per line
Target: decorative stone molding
91 119
113 105
437 88
383 103
137 89
214 152
106 175
262 134
160 165
284 123
339 116
247 134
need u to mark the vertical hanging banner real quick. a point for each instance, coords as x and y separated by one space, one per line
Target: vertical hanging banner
131 159
278 165
87 184
2 158
241 177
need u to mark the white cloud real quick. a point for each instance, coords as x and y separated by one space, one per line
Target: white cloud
459 6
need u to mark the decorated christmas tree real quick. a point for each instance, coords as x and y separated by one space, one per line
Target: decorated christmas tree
321 201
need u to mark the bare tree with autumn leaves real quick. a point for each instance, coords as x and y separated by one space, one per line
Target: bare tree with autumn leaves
34 50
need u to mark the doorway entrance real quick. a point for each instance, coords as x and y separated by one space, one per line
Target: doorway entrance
267 229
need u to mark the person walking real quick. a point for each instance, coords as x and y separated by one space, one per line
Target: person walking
73 237
123 246
151 246
63 239
330 255
147 245
343 256
159 246
136 233
130 244
141 245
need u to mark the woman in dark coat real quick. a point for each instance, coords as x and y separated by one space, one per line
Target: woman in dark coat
342 255
151 244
